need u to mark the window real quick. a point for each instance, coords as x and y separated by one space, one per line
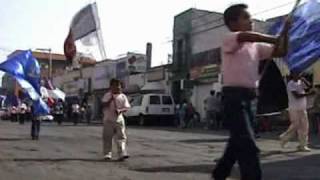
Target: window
180 53
136 101
166 100
154 100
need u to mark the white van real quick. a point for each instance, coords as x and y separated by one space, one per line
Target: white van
149 107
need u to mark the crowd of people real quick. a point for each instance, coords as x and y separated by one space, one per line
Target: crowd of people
60 112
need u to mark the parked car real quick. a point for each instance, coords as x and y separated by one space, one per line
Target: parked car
158 108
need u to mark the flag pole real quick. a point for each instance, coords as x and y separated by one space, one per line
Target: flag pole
289 16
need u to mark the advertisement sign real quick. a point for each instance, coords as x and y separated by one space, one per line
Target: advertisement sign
137 64
205 66
156 75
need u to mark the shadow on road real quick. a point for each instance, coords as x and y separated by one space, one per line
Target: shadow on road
200 168
53 160
14 139
192 141
303 168
264 154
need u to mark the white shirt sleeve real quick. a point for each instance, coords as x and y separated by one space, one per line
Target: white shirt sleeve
230 42
264 50
292 86
126 103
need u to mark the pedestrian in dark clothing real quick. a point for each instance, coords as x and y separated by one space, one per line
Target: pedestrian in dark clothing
88 114
190 115
14 114
35 128
75 113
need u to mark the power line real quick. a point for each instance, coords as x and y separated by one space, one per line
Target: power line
255 14
271 9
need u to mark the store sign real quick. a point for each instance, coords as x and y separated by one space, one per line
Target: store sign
156 75
208 73
137 64
205 66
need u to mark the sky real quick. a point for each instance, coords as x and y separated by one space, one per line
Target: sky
127 25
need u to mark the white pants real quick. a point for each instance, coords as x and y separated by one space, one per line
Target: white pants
299 124
115 130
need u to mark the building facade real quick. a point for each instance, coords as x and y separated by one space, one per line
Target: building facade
197 41
89 84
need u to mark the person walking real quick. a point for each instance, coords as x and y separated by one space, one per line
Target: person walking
14 114
59 111
316 111
298 115
190 116
182 114
75 113
115 103
88 114
22 113
212 107
35 125
242 49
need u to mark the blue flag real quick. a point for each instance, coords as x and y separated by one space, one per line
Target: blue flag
26 70
304 41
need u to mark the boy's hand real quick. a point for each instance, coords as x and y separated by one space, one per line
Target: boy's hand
286 26
282 42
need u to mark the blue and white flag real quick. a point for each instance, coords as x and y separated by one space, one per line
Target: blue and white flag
304 43
26 70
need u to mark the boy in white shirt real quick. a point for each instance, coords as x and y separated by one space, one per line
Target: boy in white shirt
115 103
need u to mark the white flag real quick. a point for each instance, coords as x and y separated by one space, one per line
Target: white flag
85 33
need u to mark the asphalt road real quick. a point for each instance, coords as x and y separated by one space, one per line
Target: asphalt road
75 153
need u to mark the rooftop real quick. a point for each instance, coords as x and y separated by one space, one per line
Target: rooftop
43 55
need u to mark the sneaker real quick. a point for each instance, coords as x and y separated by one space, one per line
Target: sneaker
303 148
283 142
108 157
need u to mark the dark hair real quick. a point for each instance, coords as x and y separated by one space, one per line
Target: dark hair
115 82
212 92
232 13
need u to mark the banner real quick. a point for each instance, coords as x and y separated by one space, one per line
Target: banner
304 43
26 70
84 43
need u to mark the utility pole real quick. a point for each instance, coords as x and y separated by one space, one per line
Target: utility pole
50 64
50 60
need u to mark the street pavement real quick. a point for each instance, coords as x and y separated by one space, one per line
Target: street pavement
70 152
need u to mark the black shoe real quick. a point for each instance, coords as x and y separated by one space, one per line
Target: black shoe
213 178
123 158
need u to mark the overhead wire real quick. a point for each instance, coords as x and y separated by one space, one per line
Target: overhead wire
254 14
